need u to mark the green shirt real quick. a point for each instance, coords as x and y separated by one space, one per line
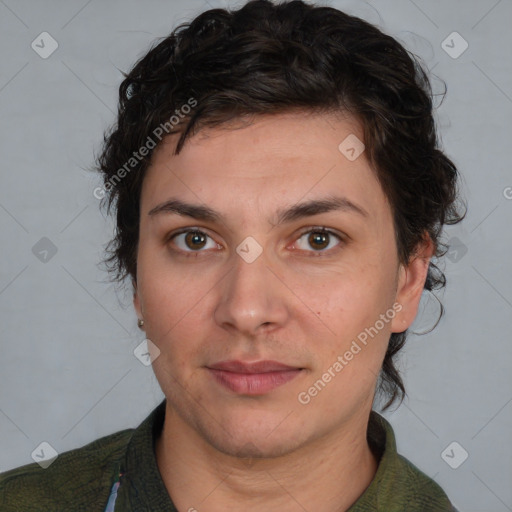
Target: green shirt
85 479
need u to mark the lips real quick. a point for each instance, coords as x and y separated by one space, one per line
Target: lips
256 378
256 367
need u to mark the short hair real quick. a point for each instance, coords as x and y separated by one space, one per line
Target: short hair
271 58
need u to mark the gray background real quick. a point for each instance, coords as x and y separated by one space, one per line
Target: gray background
67 370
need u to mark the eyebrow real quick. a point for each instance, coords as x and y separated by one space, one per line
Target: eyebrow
295 212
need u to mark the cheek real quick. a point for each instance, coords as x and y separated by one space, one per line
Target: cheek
349 357
168 292
174 312
351 300
351 306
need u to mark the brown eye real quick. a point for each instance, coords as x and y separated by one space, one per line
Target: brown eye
193 240
320 240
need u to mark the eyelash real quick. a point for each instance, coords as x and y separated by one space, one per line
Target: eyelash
316 229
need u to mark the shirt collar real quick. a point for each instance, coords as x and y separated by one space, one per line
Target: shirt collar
141 485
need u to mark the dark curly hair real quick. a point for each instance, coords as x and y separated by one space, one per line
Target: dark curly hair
269 58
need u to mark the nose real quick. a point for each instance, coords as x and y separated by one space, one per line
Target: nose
252 298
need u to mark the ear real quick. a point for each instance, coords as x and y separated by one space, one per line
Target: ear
410 283
136 300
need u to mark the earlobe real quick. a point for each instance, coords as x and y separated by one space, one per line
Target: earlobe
410 285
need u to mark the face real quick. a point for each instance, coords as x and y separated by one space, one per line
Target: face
265 257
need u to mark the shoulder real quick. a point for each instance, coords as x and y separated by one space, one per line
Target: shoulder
399 484
420 489
78 479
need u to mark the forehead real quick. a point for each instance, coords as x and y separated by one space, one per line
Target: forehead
273 160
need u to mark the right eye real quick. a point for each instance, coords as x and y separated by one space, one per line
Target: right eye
192 240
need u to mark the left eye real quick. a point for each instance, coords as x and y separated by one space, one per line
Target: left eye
318 239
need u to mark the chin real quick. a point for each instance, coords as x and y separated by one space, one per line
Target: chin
249 430
253 446
254 434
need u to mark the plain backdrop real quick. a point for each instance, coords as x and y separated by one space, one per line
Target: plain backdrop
68 374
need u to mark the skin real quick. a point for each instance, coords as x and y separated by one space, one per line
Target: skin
300 303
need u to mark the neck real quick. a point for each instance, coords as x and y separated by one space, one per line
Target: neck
329 474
